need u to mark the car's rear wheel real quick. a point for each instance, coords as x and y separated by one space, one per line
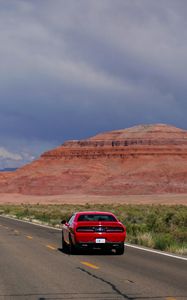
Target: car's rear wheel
64 245
120 250
72 249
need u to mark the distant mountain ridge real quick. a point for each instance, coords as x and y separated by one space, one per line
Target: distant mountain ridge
144 159
8 169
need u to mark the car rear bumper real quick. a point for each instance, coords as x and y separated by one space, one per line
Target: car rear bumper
104 246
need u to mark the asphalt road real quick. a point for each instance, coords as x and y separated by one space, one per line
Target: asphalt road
32 266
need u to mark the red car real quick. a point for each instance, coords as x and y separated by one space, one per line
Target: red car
93 229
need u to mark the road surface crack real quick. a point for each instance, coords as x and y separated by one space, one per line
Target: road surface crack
114 288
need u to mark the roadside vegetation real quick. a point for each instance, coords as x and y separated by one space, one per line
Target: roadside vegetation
155 226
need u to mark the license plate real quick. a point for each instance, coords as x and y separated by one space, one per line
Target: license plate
100 241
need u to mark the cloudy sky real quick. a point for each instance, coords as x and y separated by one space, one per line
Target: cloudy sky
72 68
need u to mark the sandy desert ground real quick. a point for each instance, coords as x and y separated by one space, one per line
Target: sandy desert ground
166 199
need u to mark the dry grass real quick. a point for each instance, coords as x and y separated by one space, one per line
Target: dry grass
146 239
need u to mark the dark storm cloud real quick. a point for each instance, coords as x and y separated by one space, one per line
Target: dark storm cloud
70 69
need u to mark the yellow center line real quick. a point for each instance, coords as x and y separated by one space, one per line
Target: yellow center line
86 263
29 237
170 298
50 247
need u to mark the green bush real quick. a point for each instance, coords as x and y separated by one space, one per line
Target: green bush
163 241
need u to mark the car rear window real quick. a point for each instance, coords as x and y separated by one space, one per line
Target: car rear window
96 217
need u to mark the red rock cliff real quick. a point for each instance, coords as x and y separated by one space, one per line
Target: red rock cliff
143 159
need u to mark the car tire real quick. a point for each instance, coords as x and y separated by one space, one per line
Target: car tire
71 246
120 250
64 245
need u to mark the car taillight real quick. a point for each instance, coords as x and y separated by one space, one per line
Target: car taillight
84 229
114 229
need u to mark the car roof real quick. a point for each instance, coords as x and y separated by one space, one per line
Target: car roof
94 212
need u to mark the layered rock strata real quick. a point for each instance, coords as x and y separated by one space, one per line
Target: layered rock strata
145 159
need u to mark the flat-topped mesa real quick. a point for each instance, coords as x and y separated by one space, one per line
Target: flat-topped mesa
157 139
146 159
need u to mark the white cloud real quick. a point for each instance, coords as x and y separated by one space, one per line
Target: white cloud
5 154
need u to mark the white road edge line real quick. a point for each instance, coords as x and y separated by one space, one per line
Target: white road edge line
155 251
32 223
126 244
